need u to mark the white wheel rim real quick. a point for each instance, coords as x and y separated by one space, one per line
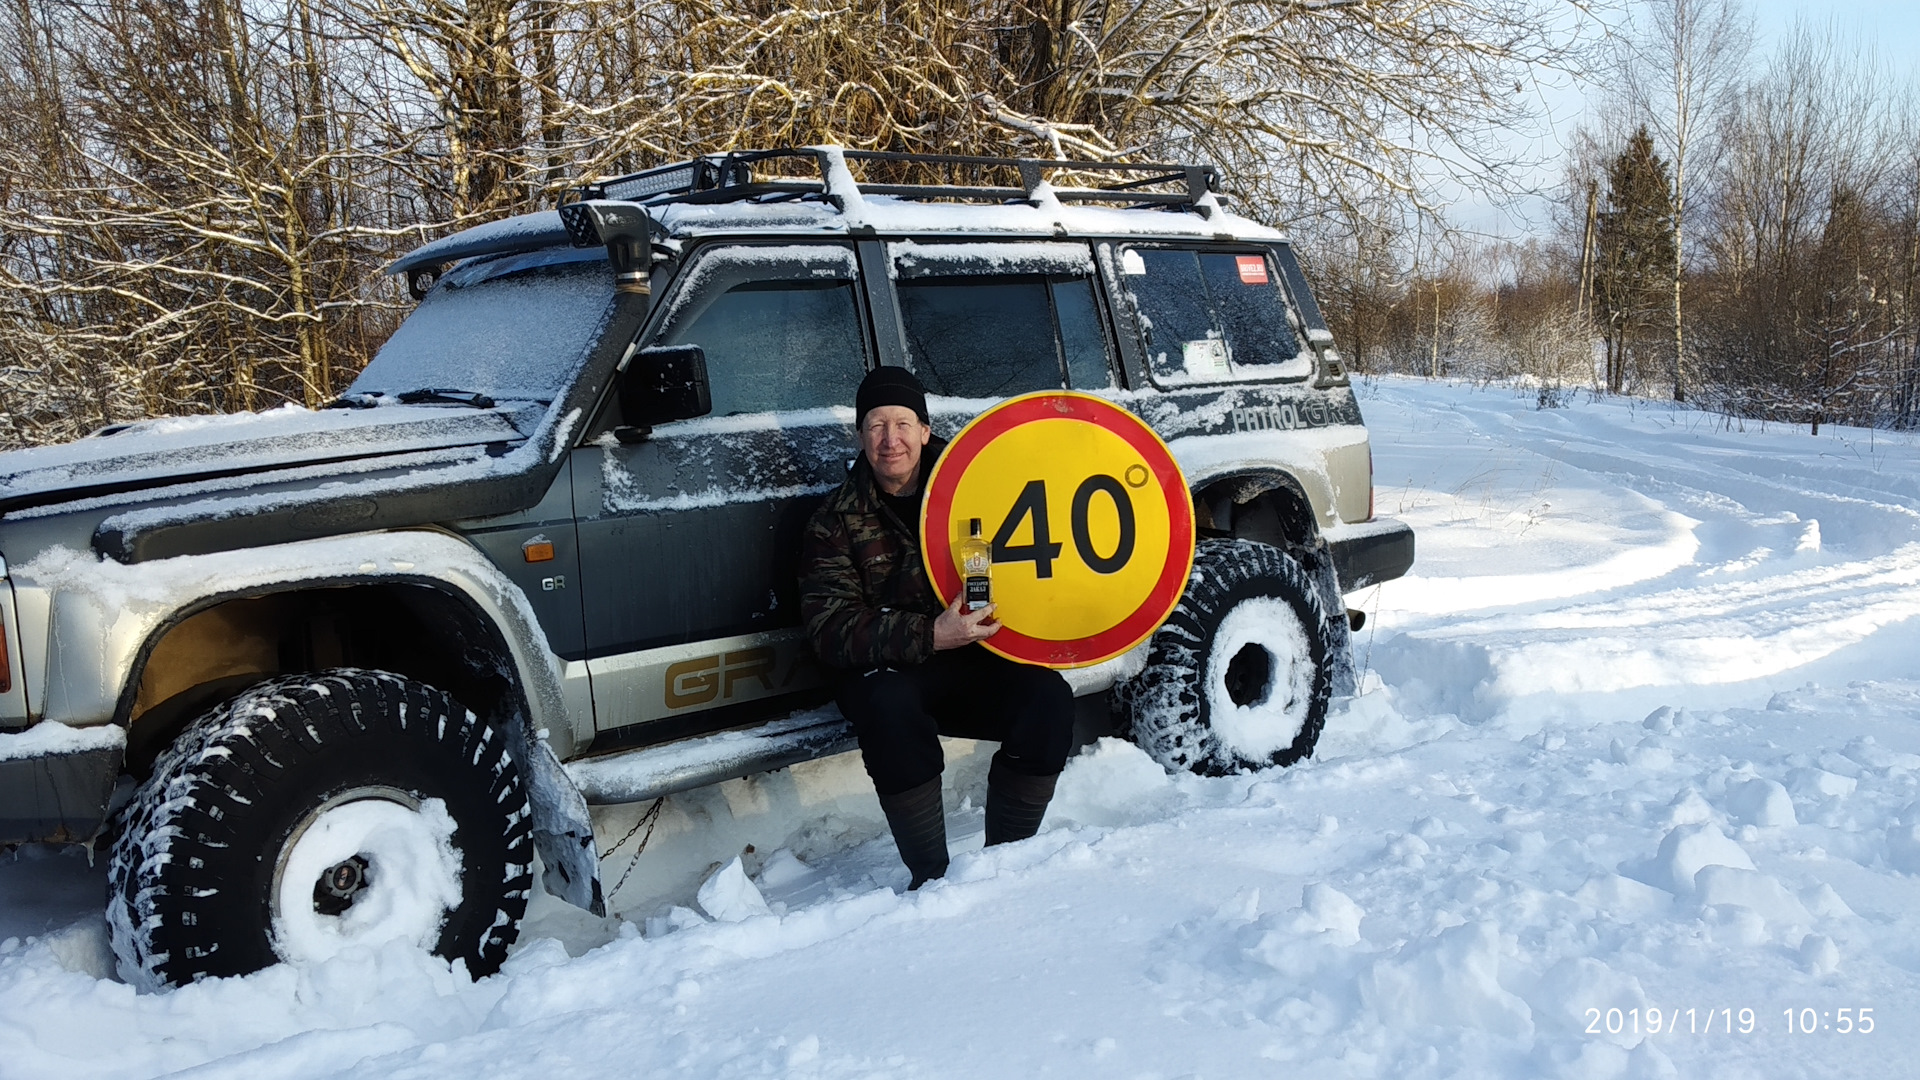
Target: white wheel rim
410 880
1270 721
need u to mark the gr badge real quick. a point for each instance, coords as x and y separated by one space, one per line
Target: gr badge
1090 522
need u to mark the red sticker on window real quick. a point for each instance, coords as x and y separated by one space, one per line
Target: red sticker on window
1253 269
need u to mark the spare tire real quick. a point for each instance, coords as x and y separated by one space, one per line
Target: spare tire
314 813
1239 676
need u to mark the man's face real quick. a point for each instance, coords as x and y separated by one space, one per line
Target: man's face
891 436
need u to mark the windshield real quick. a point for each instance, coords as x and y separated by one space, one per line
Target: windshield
515 336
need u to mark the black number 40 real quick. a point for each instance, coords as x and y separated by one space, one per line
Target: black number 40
1032 503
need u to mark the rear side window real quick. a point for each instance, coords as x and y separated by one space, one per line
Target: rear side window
780 326
1210 316
977 326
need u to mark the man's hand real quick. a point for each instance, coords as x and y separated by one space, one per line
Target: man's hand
951 629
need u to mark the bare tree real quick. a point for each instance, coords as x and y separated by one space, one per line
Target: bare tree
196 193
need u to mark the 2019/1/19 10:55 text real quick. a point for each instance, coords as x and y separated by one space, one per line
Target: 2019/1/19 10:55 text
1726 1021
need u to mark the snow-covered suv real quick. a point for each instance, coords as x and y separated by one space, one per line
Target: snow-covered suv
336 676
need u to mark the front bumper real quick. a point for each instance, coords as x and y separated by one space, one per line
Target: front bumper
55 782
1369 553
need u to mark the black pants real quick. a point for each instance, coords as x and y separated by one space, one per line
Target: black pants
966 693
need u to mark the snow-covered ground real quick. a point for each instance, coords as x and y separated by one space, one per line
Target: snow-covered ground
1643 734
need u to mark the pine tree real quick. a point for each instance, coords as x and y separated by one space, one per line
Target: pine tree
1633 281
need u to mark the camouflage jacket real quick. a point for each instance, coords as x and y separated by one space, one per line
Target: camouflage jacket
864 591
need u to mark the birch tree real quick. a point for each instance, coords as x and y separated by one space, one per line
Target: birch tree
1681 66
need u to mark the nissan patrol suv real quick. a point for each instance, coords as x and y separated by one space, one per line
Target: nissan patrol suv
335 676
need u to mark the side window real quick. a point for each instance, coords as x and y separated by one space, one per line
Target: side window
780 327
981 336
1082 336
1210 316
998 319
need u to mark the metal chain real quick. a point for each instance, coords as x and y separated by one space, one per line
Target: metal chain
649 819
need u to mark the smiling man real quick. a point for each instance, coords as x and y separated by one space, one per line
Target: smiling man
909 669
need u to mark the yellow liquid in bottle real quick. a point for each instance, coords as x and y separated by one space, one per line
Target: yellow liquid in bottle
976 567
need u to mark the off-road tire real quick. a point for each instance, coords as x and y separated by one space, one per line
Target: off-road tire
1173 708
190 879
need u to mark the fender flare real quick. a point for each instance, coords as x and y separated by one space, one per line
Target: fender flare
128 608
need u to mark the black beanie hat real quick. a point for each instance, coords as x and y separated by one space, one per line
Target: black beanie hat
889 386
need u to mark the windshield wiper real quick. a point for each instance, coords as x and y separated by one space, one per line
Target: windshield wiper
437 395
431 395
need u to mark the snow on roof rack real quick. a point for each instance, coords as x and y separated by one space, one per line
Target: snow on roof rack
732 177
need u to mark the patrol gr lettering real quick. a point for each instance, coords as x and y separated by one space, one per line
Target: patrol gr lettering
1285 416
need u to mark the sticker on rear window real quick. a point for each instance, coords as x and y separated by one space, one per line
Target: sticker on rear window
1206 358
1253 269
1131 263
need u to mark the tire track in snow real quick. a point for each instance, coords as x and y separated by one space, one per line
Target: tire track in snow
1771 563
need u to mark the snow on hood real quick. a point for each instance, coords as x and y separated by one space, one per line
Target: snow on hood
172 448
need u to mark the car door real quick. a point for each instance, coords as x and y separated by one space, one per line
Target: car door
689 537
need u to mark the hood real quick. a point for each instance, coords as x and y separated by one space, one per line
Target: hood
173 450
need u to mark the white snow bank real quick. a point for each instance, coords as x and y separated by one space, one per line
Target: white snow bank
49 737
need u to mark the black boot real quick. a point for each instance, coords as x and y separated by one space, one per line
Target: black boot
919 826
1016 802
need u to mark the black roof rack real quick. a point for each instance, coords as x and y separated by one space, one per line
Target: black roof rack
731 177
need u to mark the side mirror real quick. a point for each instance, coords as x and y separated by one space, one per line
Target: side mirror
667 382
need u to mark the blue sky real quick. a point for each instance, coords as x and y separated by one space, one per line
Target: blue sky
1894 23
1891 26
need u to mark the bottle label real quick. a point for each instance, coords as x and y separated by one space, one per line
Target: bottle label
979 591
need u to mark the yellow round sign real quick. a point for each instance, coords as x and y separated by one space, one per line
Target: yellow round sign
1089 519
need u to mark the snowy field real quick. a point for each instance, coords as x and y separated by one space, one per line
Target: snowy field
1637 776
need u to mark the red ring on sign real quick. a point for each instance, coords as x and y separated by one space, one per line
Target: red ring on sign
1048 405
